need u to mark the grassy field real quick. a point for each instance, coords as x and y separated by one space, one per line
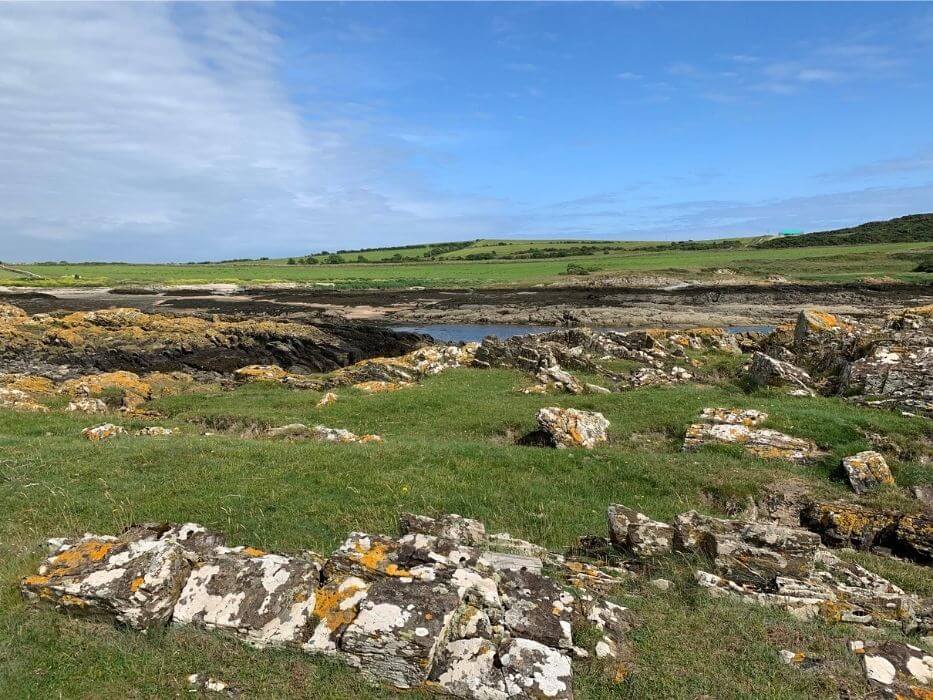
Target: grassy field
828 263
449 447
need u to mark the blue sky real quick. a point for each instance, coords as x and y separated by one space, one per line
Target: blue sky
175 132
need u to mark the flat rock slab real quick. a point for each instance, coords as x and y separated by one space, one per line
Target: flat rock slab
761 442
734 416
536 608
533 670
264 599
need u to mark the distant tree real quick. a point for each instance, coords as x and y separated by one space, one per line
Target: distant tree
333 259
361 258
291 261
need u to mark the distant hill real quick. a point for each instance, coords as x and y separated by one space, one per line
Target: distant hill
904 229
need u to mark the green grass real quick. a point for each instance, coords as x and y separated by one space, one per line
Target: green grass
828 263
448 448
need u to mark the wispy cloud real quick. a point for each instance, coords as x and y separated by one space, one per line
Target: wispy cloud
918 162
627 75
153 131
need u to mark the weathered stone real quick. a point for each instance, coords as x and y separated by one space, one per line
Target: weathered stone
638 534
20 400
133 579
87 405
416 556
761 442
156 431
505 561
568 427
899 375
867 470
448 526
336 605
765 370
760 552
292 431
811 322
201 683
325 434
380 387
913 537
264 599
734 416
103 432
560 380
535 671
848 525
896 669
398 630
326 400
536 608
469 668
260 373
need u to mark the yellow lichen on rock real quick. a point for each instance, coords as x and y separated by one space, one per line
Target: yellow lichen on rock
261 373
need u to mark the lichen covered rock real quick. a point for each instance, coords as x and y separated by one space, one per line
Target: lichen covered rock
569 427
734 416
134 579
104 431
765 370
638 534
896 669
761 442
867 470
264 599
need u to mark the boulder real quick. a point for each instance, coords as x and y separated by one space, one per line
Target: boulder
764 370
134 579
849 525
759 553
325 434
263 599
156 431
326 400
638 534
398 629
811 322
87 405
568 427
761 442
867 470
260 373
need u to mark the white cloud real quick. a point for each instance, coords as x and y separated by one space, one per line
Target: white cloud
150 131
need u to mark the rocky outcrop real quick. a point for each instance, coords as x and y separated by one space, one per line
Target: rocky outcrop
300 431
849 525
128 339
867 470
427 610
568 427
887 364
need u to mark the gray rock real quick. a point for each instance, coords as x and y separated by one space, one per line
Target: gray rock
264 599
533 670
867 470
398 630
767 371
638 534
536 608
448 526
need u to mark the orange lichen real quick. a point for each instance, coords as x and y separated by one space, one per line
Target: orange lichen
328 602
136 583
88 551
253 552
376 559
35 580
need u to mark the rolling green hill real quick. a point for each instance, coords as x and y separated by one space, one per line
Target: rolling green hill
904 229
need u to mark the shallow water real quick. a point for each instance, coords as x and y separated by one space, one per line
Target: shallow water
468 332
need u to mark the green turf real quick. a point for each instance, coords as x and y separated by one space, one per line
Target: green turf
828 263
449 447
